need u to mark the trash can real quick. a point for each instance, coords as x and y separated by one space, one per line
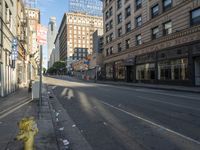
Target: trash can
35 90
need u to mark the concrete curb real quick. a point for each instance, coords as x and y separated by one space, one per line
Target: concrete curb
67 134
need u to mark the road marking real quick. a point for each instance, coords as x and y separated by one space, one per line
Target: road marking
177 105
152 123
11 110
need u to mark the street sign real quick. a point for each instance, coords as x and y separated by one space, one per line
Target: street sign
41 34
14 52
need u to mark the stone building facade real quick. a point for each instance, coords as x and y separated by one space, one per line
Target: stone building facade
154 41
76 31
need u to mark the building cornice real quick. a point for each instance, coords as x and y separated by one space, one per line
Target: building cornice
154 43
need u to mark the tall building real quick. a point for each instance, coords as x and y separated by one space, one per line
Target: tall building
97 41
13 46
8 79
33 17
51 35
76 31
91 7
152 41
57 47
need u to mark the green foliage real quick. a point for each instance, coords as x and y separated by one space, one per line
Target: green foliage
44 70
58 67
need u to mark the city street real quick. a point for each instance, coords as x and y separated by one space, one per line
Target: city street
123 118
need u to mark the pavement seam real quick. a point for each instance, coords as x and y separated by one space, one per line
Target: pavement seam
14 109
13 106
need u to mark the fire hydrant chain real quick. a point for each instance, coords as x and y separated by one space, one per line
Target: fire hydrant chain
27 131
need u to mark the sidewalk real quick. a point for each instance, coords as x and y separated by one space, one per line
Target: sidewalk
18 105
141 85
154 86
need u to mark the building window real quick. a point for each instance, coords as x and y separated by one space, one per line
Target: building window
119 47
119 18
107 52
119 32
155 33
110 11
111 24
107 39
111 36
138 21
138 39
173 69
107 27
128 11
111 50
119 70
128 27
167 4
195 16
52 27
119 4
127 43
107 15
107 3
138 4
109 71
145 71
167 28
155 11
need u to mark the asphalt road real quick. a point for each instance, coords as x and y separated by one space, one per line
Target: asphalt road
123 118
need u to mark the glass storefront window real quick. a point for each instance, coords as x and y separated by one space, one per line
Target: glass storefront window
119 70
173 69
145 71
109 71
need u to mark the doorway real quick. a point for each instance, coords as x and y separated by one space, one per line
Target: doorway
130 74
197 71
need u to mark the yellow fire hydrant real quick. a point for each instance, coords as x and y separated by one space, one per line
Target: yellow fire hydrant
27 131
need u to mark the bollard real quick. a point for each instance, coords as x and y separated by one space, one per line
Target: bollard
27 131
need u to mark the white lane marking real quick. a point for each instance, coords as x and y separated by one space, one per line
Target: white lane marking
64 92
14 109
177 105
152 123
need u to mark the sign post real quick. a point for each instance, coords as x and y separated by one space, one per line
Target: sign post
42 40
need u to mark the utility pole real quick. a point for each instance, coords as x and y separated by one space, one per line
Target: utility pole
40 90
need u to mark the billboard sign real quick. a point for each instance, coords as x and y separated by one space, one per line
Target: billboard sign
41 34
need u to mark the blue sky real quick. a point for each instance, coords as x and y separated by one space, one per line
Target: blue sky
50 8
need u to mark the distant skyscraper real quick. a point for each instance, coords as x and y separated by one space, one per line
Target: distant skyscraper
91 7
51 35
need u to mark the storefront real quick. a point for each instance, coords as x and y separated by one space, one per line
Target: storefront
109 71
119 70
130 69
197 71
196 60
146 68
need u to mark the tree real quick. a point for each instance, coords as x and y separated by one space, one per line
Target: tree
59 65
51 70
44 70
